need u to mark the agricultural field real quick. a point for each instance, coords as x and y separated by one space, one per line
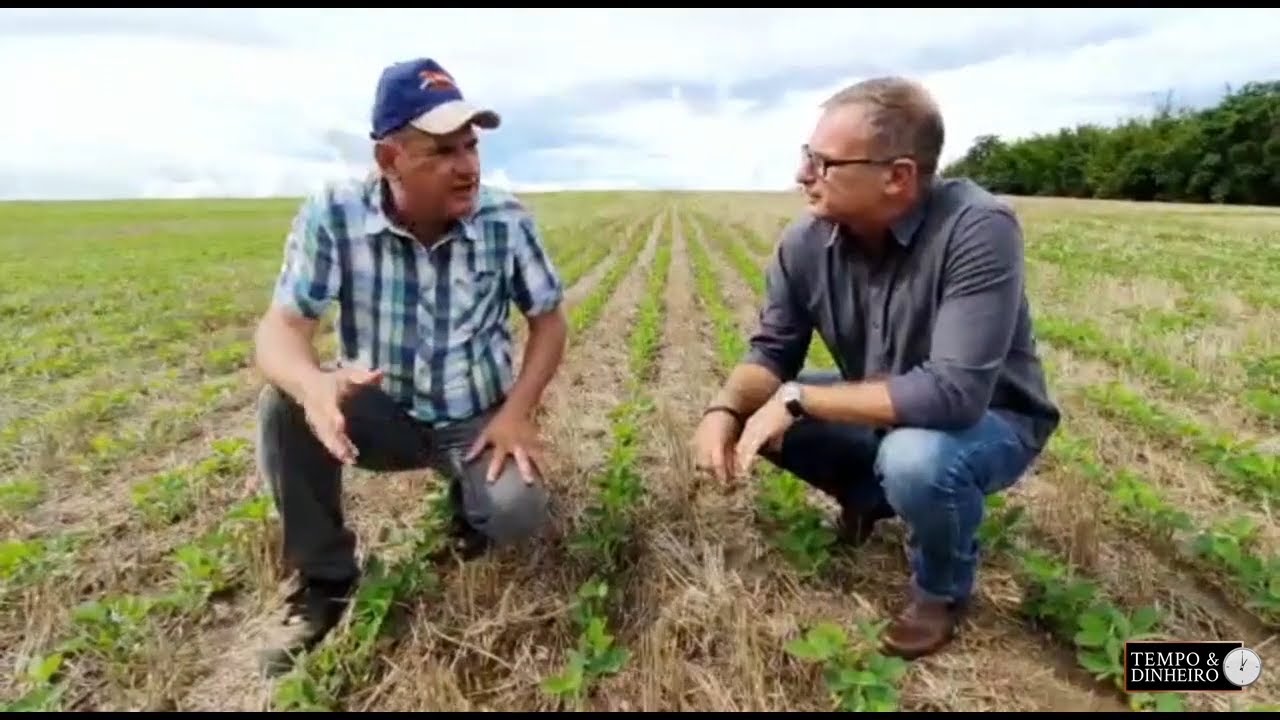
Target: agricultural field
138 552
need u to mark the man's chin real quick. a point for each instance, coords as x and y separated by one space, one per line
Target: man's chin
461 203
816 205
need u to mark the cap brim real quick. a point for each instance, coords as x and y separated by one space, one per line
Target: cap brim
453 116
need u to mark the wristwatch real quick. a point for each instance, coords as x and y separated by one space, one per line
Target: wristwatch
792 396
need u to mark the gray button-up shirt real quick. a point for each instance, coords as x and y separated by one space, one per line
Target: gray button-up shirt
942 314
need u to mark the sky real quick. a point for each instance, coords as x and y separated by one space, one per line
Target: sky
254 103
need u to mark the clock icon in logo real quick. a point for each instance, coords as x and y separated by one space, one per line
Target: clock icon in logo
1242 666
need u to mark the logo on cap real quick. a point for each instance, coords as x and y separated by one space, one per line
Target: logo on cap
435 80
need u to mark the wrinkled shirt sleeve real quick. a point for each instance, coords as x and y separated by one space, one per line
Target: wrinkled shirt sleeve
535 281
309 278
784 329
981 295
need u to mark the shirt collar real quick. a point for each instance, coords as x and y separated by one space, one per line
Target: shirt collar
377 222
904 229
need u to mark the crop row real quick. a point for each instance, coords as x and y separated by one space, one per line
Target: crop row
1243 468
858 676
347 657
795 526
1194 264
111 636
1087 339
605 526
1225 550
1073 606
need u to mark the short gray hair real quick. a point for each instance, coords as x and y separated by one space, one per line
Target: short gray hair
905 118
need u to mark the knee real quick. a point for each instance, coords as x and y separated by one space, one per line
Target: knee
911 465
516 510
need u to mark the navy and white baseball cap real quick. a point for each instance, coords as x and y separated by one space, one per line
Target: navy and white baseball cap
422 94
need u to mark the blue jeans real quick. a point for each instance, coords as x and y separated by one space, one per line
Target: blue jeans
936 481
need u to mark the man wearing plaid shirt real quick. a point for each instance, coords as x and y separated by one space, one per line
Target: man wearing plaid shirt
423 264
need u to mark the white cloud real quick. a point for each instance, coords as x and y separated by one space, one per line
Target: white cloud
169 102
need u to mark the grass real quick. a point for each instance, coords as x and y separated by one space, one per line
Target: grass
138 554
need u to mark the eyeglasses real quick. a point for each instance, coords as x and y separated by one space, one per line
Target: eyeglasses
821 163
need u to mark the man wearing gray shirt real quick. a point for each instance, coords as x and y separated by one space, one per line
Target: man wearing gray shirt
916 284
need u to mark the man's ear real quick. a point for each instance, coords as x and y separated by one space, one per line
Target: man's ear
902 178
385 155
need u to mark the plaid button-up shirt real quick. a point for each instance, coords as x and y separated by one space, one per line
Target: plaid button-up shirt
433 319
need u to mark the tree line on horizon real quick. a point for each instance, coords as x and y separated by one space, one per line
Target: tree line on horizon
1228 153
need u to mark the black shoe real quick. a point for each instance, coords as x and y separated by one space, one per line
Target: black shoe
466 541
311 611
856 524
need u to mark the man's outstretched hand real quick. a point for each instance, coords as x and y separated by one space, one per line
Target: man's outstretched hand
510 433
322 400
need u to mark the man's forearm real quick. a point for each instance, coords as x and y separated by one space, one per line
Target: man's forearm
543 353
863 403
285 356
749 386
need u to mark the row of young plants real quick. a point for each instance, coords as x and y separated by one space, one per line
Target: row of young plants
110 636
1242 467
1087 339
1226 551
857 676
345 659
1073 606
794 526
602 537
99 429
1097 246
586 247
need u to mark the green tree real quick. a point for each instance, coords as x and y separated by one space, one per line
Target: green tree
1227 153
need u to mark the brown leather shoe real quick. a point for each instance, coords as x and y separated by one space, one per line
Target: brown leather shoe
921 628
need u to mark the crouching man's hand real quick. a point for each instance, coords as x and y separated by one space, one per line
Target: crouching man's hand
322 398
510 433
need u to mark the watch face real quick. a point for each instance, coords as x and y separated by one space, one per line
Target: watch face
1242 666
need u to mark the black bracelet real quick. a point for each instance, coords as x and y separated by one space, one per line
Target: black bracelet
724 408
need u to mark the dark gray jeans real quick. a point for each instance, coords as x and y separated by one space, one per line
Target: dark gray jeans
305 480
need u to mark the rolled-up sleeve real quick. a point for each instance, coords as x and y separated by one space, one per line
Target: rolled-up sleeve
784 330
535 282
981 298
309 278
